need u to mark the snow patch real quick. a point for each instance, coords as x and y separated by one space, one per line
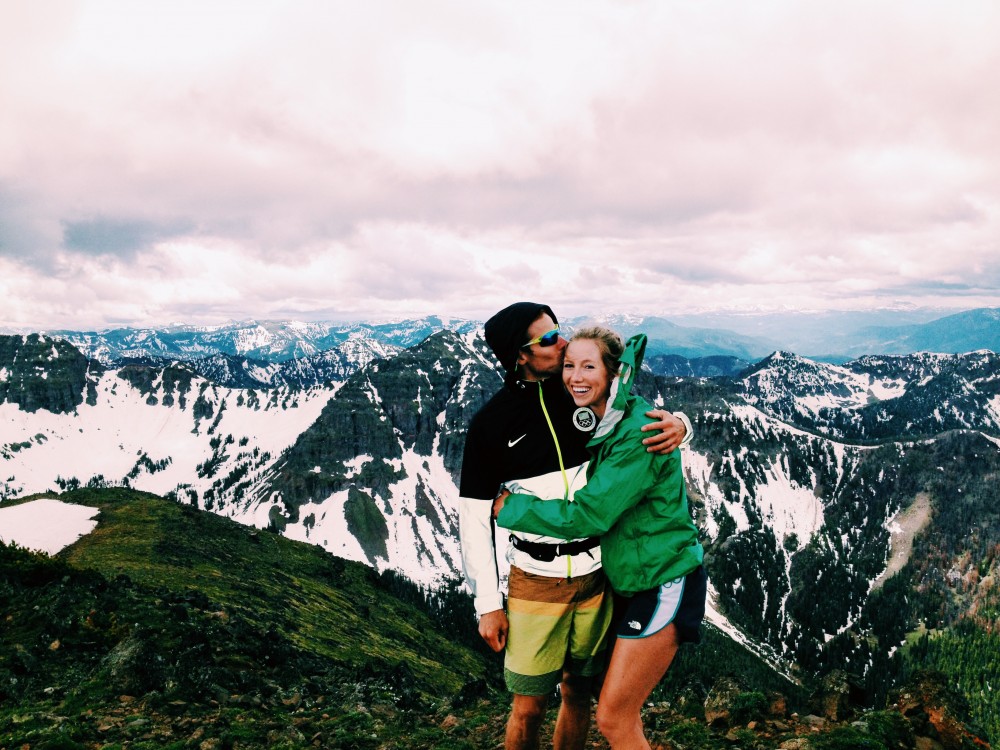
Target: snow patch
106 438
788 507
46 525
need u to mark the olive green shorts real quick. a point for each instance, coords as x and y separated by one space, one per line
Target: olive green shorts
556 624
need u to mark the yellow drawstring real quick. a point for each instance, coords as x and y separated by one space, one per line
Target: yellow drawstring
552 429
562 467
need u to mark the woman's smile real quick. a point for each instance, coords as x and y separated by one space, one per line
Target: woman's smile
585 375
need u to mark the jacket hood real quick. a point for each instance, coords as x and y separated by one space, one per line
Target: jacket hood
507 331
621 387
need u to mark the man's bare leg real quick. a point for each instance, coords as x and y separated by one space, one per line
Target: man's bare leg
526 715
573 722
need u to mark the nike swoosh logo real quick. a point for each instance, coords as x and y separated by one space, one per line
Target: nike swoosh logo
512 443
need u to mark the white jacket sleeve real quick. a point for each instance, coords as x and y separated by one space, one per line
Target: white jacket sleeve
689 430
479 563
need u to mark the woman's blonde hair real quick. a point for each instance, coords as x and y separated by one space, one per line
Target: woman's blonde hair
609 343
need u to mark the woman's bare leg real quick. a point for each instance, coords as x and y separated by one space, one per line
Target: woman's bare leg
637 664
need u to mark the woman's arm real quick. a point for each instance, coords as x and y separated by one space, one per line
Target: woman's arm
620 481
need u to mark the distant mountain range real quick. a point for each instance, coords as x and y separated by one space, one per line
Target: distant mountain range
265 341
963 332
839 336
830 337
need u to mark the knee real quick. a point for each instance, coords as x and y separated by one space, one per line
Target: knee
528 710
611 724
576 690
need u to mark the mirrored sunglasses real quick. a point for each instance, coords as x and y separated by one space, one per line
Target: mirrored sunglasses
546 339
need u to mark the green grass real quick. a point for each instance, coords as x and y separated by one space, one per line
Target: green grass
322 604
203 624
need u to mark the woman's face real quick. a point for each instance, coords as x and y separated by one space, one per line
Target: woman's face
585 376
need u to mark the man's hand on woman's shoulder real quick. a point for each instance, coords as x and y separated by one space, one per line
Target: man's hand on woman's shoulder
669 431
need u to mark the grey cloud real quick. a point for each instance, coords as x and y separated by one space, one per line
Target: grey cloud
20 240
23 235
103 236
409 270
988 283
694 261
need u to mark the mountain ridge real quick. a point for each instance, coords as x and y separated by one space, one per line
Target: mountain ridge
834 337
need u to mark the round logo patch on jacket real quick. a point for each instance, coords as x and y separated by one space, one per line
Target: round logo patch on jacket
584 419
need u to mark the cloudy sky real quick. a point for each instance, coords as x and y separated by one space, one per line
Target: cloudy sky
201 161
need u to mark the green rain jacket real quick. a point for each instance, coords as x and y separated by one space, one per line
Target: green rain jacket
634 500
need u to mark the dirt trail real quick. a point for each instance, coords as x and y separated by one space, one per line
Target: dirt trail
905 525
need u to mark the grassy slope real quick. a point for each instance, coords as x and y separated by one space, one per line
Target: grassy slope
191 615
323 604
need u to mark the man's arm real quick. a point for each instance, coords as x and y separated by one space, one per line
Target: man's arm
475 535
493 628
671 431
476 540
479 565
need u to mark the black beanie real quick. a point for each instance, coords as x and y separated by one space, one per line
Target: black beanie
507 331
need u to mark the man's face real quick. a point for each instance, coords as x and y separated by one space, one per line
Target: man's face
540 362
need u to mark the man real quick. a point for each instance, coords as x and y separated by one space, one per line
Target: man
557 612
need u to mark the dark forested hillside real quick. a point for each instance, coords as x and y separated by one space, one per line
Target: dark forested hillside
37 372
382 411
813 598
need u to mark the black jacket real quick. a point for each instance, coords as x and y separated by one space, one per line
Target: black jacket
509 438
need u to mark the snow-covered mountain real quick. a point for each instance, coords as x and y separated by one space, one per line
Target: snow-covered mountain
357 343
327 367
878 398
364 467
267 341
799 473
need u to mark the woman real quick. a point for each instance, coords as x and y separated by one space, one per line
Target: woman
637 503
